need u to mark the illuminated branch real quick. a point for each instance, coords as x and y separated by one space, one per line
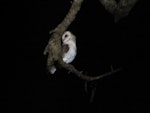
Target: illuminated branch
53 49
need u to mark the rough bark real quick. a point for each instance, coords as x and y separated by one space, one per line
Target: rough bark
54 49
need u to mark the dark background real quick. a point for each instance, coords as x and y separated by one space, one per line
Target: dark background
101 43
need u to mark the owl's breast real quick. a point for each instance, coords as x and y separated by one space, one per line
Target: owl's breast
69 56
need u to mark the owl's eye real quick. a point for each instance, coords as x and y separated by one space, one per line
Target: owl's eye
66 36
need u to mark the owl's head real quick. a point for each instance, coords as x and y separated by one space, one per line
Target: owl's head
68 38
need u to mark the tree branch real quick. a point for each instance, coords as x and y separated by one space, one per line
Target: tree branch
54 49
72 69
62 27
76 5
120 9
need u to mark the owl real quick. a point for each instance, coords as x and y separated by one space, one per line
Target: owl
69 49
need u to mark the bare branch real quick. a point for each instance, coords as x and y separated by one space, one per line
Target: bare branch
54 49
92 94
110 5
72 69
76 5
120 9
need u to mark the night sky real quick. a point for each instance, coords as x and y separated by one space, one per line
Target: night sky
101 43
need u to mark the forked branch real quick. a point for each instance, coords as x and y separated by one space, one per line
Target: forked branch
53 49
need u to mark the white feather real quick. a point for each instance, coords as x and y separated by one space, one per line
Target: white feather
67 39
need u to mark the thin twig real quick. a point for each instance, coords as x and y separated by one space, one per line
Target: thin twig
72 69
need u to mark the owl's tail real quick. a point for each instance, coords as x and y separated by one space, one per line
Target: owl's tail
52 70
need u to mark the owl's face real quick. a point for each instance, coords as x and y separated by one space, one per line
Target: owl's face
68 38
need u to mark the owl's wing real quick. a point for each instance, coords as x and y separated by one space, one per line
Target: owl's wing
65 49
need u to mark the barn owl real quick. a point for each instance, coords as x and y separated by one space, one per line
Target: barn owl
69 49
